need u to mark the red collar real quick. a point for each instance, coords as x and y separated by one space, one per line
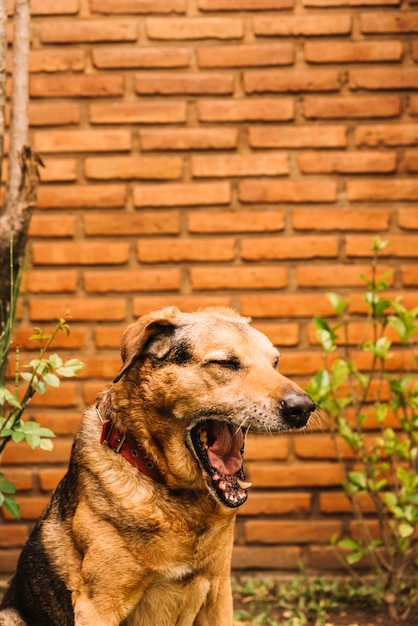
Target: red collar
128 448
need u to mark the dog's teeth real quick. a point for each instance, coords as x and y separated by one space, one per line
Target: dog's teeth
222 485
204 436
243 484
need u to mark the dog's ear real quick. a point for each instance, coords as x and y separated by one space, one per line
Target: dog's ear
137 336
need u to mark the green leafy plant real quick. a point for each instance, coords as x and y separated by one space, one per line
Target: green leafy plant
40 373
373 412
299 601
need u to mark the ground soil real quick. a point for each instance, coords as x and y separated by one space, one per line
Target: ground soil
348 616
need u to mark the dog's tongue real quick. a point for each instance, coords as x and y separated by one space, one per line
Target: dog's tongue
224 453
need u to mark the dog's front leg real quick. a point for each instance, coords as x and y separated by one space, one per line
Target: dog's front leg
86 613
218 606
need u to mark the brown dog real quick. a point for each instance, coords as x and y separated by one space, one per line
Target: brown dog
140 530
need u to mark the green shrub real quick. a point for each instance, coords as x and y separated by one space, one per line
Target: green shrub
383 465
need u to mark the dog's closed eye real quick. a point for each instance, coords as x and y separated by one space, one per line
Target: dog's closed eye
232 364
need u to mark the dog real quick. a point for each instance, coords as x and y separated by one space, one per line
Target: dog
139 532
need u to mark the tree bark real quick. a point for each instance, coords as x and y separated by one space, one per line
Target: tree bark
23 175
3 63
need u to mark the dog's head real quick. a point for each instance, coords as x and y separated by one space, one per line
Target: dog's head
207 378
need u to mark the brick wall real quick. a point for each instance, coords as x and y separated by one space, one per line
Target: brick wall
233 152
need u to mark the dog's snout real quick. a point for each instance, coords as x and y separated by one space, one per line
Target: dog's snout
296 409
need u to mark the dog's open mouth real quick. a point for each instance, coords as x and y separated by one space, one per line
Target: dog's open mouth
220 447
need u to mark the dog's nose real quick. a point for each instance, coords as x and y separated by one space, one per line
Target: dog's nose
296 409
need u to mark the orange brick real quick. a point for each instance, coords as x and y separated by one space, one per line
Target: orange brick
260 447
233 222
132 280
80 309
297 137
49 478
56 114
291 531
137 6
347 3
77 31
341 219
138 113
293 191
21 478
300 363
76 86
52 281
108 336
270 504
415 50
265 558
246 55
337 275
320 446
398 246
188 139
176 83
173 194
19 454
353 51
98 367
243 5
384 191
280 248
411 161
408 218
13 535
58 170
280 334
314 474
54 7
30 507
143 223
9 559
80 253
409 275
52 226
178 250
194 28
291 81
142 305
354 107
284 305
75 340
81 196
269 164
53 419
134 57
377 79
308 25
56 61
238 278
376 135
337 502
240 110
347 162
78 140
389 22
133 167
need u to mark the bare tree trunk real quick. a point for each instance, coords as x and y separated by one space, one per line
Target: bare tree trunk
3 62
23 176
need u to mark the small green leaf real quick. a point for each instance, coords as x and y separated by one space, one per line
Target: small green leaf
52 380
12 507
405 530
